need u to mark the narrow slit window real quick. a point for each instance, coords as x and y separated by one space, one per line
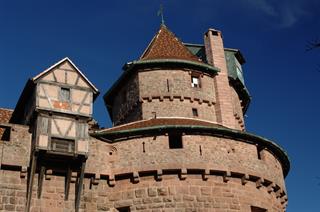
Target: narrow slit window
175 141
65 94
123 209
260 153
257 209
195 112
195 82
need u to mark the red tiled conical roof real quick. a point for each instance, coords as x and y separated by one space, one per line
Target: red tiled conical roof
165 45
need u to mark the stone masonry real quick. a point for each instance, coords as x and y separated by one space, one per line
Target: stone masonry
178 141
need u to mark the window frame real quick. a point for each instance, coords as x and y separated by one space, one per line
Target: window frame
62 96
193 84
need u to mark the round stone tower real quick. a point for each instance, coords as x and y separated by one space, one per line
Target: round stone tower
179 142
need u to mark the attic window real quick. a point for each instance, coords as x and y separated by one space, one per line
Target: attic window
175 141
65 94
195 81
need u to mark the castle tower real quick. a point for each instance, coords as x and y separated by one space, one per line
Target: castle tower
178 140
180 135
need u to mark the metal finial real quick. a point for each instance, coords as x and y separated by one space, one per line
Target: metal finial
160 12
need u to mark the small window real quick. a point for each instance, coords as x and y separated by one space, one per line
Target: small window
195 82
62 145
195 112
175 141
257 209
123 209
65 94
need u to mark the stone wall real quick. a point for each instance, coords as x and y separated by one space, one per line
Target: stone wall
126 105
16 151
169 93
237 110
198 152
169 194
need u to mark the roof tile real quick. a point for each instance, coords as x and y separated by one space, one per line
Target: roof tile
165 45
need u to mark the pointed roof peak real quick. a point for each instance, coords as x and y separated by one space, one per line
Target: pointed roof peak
165 45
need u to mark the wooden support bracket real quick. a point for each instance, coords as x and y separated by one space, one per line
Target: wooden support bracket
96 179
226 176
40 180
259 182
30 181
74 176
279 193
244 179
183 174
48 174
159 175
79 186
23 172
271 187
112 181
205 174
136 177
67 185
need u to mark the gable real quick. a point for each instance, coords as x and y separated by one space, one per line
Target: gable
65 72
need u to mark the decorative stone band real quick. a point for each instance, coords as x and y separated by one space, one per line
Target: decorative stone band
176 97
183 173
121 135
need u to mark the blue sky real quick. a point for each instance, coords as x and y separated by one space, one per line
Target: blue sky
100 36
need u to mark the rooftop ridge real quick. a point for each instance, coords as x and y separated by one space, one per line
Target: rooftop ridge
165 45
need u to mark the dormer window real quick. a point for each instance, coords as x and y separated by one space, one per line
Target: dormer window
65 94
195 81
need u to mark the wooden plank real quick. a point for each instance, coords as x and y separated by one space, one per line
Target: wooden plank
30 181
79 189
67 185
40 181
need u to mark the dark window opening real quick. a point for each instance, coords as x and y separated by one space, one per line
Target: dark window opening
175 141
195 81
62 145
65 94
195 112
259 152
5 133
257 209
123 209
215 33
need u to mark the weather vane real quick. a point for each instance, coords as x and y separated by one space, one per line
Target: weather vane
160 12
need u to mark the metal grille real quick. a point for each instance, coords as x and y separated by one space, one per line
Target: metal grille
62 145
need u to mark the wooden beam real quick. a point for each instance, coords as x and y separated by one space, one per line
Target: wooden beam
30 181
79 190
40 181
67 185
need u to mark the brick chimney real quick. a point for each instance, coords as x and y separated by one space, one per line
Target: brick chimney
216 57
